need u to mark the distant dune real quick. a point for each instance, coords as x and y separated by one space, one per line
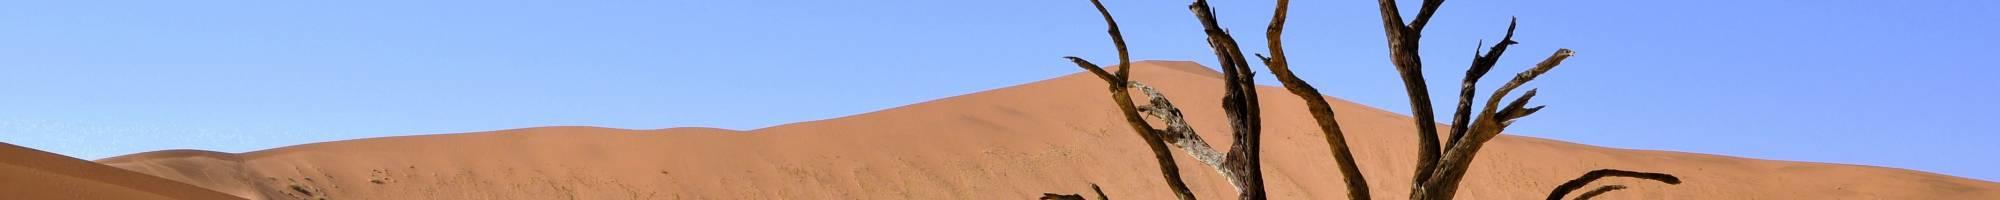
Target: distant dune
1057 135
31 174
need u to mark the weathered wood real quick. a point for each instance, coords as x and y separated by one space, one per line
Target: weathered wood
1168 169
1403 43
1054 196
1323 115
1429 9
1239 103
1183 135
1093 188
1099 191
1440 166
1593 193
1579 182
1480 65
1444 180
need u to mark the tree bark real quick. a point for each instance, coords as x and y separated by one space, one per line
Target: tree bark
1480 65
1403 43
1440 166
1239 103
1593 193
1183 135
1336 141
1444 180
1579 182
1169 170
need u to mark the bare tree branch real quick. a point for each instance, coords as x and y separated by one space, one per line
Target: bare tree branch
1182 135
1579 182
1480 65
1593 193
1094 69
1424 15
1239 103
1440 166
1403 43
1117 39
1054 196
1444 179
1099 191
1525 76
1336 141
1392 20
1515 110
1093 188
1168 169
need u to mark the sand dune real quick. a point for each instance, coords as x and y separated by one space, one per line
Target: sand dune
31 174
1056 135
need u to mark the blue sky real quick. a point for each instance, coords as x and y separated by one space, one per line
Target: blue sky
1890 83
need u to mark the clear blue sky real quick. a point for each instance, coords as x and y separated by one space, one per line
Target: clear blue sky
1906 84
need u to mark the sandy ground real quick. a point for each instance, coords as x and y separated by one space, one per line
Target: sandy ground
32 174
1057 135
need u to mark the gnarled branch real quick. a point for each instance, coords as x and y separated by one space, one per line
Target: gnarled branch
1403 43
1239 103
1480 65
1440 170
1093 188
1116 82
1440 166
1099 191
1579 182
1444 180
1054 196
1182 135
1336 141
1593 193
1168 169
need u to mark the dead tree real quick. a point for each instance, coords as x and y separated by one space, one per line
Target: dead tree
1093 187
1336 141
1239 105
1117 84
1240 165
1439 171
1441 165
1054 196
1593 193
1579 182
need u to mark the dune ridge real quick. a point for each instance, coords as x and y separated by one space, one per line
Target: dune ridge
33 174
1056 135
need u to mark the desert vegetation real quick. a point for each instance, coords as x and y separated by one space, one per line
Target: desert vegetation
1441 162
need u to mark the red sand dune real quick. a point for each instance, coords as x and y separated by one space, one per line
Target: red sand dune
32 174
1056 135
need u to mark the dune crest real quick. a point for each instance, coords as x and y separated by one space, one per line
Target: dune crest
1055 135
32 174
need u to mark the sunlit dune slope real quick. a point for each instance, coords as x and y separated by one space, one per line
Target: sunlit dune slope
32 174
1056 135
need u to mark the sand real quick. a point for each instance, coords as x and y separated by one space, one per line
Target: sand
33 174
1056 135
